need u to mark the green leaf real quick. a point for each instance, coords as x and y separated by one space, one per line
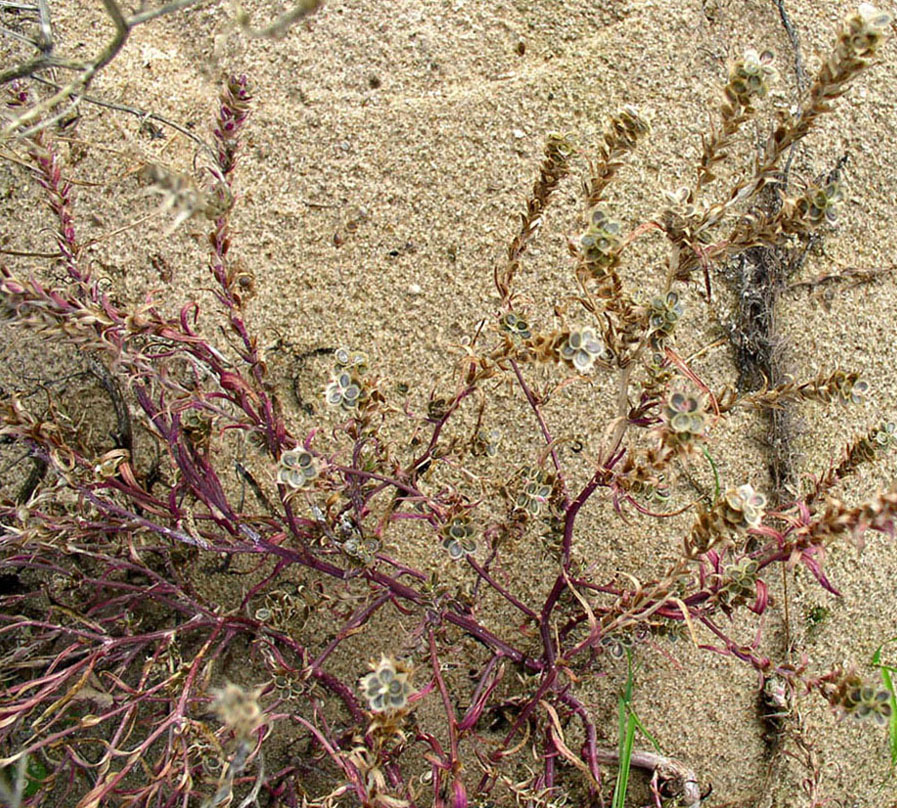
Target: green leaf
715 474
628 721
36 773
644 731
627 737
887 677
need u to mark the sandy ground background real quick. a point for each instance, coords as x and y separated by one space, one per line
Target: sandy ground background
390 147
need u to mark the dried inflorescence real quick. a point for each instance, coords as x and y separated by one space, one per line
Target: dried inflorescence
740 509
866 449
862 701
862 33
654 488
625 129
387 687
345 390
621 135
838 519
239 709
555 166
740 584
845 387
859 40
486 444
884 436
354 361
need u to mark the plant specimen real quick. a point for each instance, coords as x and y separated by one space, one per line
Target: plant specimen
114 651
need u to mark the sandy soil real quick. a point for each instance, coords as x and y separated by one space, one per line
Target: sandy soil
390 148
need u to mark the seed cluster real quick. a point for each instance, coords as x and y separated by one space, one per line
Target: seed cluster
387 687
750 77
663 315
867 702
516 325
346 388
741 584
685 417
458 538
297 468
600 241
625 129
537 487
818 205
582 348
863 33
743 507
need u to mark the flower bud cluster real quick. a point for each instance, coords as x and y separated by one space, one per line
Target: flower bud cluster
297 468
860 700
750 77
817 206
740 585
625 128
863 33
663 315
581 348
458 537
516 325
685 417
536 491
232 114
600 242
778 698
387 687
743 507
346 388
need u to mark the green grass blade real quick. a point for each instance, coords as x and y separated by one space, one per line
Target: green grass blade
627 737
887 677
641 728
627 722
716 488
